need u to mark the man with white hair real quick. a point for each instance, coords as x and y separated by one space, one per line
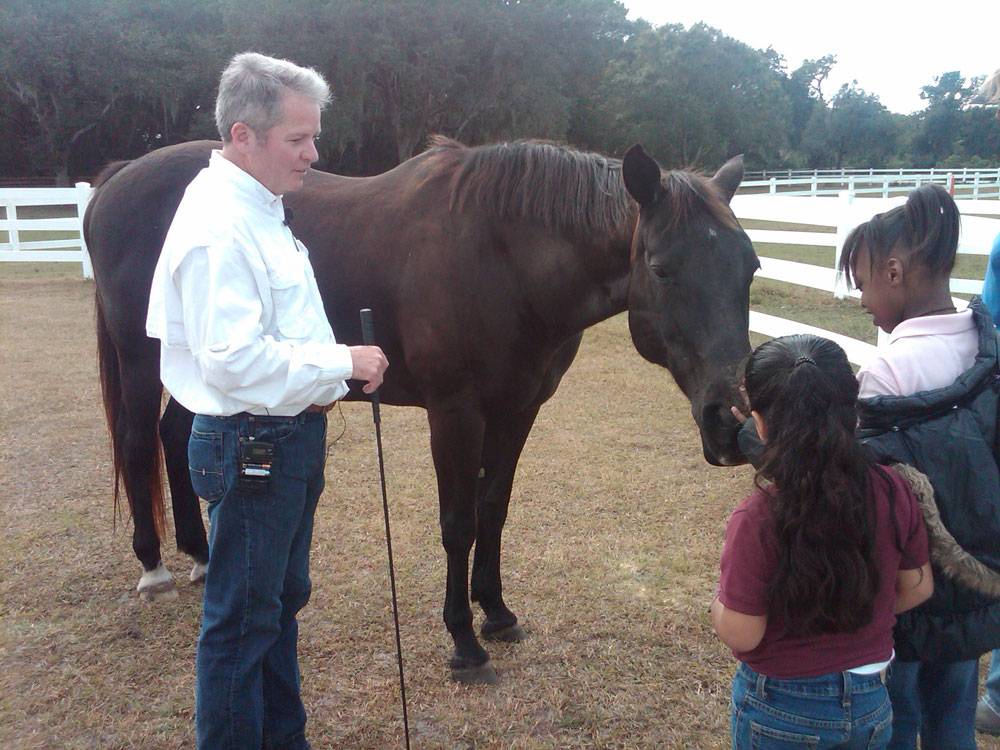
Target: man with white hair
246 346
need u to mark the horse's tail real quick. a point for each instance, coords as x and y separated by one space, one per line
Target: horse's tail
110 170
109 370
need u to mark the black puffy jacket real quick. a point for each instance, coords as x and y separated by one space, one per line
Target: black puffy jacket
950 434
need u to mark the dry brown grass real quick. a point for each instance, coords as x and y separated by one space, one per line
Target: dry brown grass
610 559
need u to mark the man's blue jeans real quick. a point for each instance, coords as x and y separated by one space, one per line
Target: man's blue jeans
840 710
992 696
936 701
258 578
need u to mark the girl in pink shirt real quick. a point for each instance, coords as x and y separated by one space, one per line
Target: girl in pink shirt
901 261
817 561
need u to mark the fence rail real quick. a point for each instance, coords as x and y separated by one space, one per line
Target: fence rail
823 222
70 248
961 173
826 222
975 183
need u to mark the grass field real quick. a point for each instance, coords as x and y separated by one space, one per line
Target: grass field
611 557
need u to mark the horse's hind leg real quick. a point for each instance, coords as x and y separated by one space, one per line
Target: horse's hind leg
136 429
502 447
175 429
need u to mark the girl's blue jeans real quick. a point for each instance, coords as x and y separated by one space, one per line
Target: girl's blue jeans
247 693
839 710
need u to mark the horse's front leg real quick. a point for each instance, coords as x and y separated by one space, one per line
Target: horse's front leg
456 446
502 448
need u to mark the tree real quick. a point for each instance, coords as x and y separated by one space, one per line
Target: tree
804 89
861 130
61 61
694 97
107 79
979 136
939 124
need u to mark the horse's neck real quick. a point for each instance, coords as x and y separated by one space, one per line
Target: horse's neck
592 283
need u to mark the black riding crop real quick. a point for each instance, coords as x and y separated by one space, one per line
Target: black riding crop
368 336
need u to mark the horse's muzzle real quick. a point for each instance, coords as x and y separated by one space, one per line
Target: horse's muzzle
719 430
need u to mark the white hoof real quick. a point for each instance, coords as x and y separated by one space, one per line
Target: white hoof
157 585
198 572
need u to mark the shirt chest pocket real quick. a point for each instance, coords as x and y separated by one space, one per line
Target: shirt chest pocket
294 315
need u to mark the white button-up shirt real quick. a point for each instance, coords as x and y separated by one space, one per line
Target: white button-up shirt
235 305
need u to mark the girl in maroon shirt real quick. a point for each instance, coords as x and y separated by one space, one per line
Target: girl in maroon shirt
817 561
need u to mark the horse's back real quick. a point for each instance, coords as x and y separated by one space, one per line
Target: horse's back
134 202
125 224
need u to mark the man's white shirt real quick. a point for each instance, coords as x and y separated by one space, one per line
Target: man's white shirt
235 305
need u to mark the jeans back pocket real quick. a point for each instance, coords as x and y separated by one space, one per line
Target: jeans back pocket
206 465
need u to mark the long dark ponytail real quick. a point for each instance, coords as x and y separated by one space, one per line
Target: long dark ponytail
821 500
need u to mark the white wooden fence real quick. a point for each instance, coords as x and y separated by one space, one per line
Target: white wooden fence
975 183
825 221
19 245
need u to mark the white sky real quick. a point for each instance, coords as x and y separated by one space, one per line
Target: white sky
891 48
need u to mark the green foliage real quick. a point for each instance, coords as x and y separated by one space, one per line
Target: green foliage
693 97
942 121
86 81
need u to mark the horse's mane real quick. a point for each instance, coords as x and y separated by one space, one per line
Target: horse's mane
566 189
540 181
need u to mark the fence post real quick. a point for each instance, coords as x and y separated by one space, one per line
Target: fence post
82 197
814 185
885 188
951 184
13 236
975 186
774 185
845 222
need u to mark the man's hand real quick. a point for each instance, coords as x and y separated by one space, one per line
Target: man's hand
369 363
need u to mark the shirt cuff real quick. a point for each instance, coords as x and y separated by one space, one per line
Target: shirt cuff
336 363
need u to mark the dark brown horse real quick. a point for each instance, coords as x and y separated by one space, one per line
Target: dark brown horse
483 266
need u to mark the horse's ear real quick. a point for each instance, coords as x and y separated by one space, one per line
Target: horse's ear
729 177
641 174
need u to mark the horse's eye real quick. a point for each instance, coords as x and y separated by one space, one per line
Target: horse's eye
661 273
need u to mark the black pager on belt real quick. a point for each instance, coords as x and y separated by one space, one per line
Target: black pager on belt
256 458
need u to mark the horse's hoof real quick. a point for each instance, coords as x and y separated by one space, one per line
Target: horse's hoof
484 674
198 572
157 585
504 633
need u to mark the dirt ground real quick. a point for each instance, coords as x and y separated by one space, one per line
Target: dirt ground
610 559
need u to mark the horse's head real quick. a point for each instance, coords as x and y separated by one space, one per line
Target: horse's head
689 292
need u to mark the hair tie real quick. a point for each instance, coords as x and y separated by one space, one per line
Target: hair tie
800 360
